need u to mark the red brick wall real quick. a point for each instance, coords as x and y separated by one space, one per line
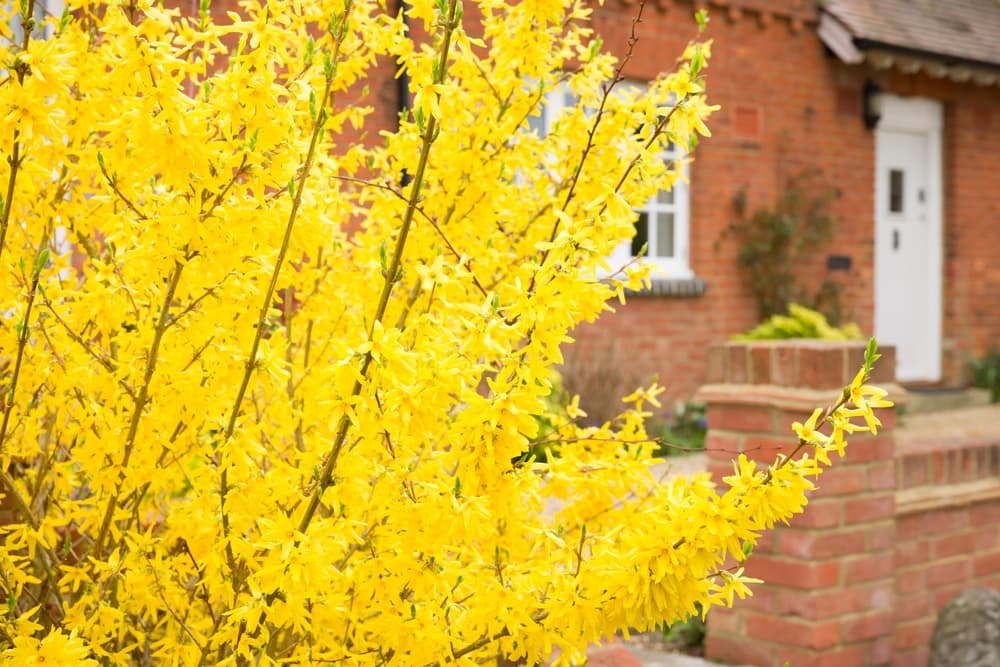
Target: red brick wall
938 554
828 592
893 532
972 214
947 534
804 110
782 93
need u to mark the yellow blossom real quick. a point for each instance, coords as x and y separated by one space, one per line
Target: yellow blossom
808 432
866 398
292 406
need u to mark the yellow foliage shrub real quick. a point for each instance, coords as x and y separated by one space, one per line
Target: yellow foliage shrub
235 434
800 322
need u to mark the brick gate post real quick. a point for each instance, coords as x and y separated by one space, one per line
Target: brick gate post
828 596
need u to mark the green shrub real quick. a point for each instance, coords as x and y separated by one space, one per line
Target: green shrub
986 373
687 634
775 240
801 322
685 432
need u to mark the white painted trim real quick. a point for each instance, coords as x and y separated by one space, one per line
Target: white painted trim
910 114
926 117
838 39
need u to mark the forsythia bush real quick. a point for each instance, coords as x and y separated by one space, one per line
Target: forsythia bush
234 433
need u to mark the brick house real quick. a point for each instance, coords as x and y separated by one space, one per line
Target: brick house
898 103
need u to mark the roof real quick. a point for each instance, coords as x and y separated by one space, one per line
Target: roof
957 34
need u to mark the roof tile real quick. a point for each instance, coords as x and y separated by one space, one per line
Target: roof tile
954 30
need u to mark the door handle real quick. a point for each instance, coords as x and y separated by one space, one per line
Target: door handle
895 239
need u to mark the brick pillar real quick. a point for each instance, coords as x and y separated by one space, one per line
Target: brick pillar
828 596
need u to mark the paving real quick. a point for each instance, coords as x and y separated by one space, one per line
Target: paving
630 654
924 401
933 429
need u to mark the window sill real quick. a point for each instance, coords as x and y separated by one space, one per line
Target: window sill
676 288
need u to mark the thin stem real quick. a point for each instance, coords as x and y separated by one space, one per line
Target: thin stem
163 598
487 640
592 131
113 184
430 132
625 441
22 339
221 195
467 263
579 550
139 404
250 364
15 158
22 506
43 553
137 496
6 481
105 362
209 291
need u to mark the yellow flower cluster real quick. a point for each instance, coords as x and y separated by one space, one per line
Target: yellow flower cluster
233 433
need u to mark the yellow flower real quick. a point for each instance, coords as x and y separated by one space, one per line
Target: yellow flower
253 442
865 398
808 432
573 410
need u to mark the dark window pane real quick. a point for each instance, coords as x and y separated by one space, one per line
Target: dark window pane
665 235
895 190
665 196
641 237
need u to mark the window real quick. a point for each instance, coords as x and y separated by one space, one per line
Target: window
895 190
661 225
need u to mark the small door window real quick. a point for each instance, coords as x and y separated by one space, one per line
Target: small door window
895 190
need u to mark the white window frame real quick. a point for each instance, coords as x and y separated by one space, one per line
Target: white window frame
674 266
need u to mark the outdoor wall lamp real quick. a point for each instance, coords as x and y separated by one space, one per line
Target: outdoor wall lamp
871 104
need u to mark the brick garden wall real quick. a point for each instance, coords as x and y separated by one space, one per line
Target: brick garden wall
893 532
947 535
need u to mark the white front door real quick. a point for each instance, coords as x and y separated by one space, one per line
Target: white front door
908 239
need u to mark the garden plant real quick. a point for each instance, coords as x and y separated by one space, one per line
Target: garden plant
234 432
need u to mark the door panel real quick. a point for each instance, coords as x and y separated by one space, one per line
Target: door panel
907 249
